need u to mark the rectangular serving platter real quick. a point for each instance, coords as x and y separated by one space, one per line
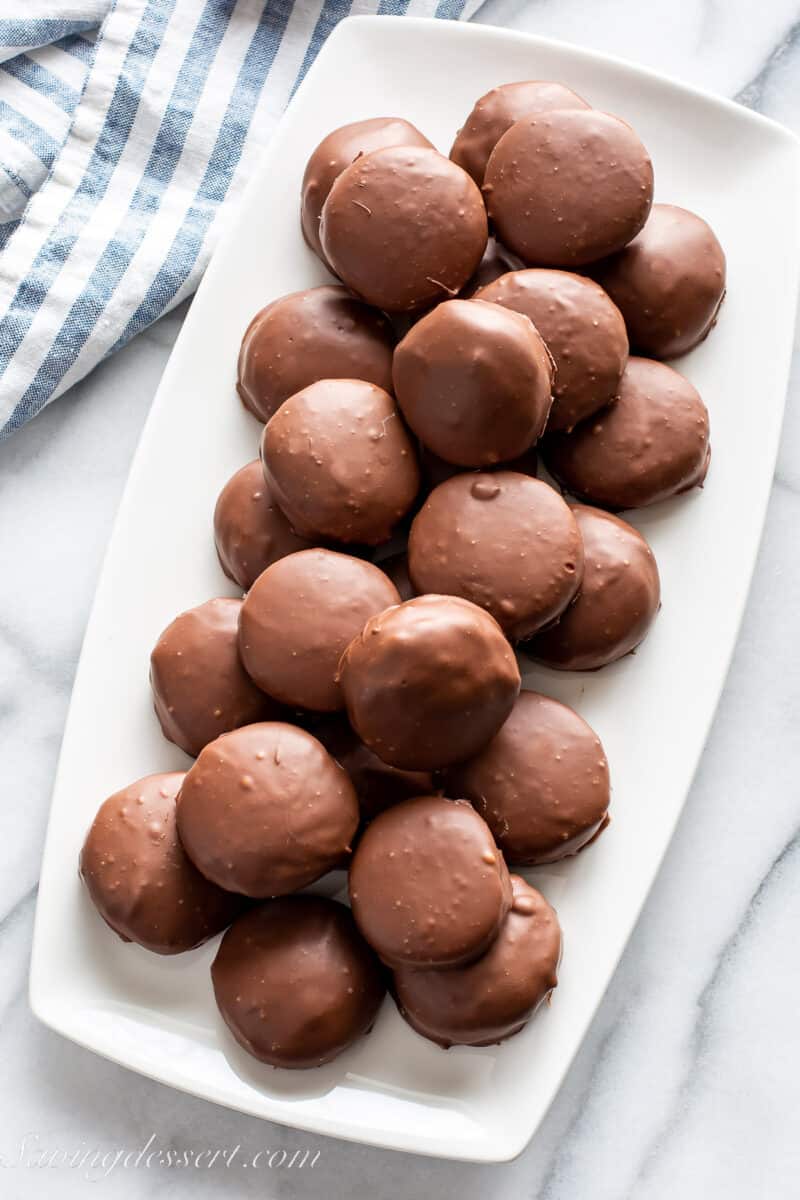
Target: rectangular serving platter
652 710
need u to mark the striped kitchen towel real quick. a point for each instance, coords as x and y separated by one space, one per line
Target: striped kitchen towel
124 125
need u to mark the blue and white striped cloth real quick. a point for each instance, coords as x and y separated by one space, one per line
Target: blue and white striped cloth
124 125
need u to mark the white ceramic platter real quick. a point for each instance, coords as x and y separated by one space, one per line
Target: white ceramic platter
652 710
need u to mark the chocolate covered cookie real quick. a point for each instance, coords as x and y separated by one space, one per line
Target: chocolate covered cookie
250 531
428 885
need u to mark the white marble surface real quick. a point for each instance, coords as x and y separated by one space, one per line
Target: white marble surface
688 1083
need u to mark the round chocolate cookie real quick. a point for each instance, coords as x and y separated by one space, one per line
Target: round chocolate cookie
337 151
301 615
619 596
265 810
497 111
565 188
473 380
495 996
403 228
340 463
378 786
505 541
583 330
295 982
429 683
322 333
139 877
200 688
541 784
651 443
668 282
250 531
428 885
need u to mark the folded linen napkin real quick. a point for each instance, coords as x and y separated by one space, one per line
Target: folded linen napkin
124 126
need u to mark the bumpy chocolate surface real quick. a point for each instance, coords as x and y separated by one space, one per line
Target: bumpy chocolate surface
321 333
617 602
340 462
473 381
497 111
428 683
139 877
568 187
250 531
337 151
495 996
583 330
651 443
295 982
541 784
404 228
300 616
378 786
503 540
200 688
265 810
428 885
668 282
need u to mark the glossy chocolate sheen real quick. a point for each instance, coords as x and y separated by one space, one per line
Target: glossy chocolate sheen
583 330
200 688
340 462
337 151
497 111
428 885
503 540
429 683
541 784
250 531
651 443
301 615
139 877
321 333
619 597
404 228
473 381
494 997
566 188
378 786
295 982
265 810
668 282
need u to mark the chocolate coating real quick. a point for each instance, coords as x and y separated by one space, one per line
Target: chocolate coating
378 786
250 531
295 982
139 877
473 381
568 187
428 885
505 541
429 682
403 228
265 810
668 282
300 616
618 599
493 998
337 151
321 333
200 688
497 111
583 330
541 784
496 261
340 463
651 443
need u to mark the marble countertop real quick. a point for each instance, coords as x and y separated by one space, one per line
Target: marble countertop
687 1084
